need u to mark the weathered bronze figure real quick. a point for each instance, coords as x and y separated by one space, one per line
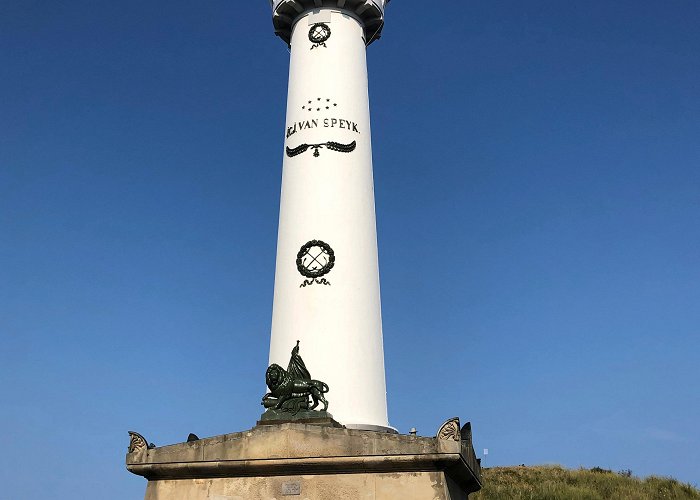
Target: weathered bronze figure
292 390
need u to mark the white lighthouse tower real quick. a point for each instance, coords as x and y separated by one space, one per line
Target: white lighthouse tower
327 276
327 299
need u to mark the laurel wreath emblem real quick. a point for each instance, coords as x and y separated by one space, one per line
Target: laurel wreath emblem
314 274
319 34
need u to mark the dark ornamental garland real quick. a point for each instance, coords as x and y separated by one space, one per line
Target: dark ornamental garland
322 281
315 275
333 146
319 33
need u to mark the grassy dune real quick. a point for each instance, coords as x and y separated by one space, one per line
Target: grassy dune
557 483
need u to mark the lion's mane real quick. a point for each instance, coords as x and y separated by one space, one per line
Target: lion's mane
284 386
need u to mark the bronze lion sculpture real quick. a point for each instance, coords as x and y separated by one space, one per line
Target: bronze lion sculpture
291 394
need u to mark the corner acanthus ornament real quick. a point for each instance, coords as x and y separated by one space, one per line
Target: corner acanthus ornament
450 430
138 443
292 390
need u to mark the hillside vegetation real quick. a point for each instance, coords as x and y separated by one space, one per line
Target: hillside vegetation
557 483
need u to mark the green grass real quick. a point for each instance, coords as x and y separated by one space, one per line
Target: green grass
558 483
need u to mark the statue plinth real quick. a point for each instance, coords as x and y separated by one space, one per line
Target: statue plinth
311 461
308 417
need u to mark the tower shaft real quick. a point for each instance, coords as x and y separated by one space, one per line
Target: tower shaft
327 276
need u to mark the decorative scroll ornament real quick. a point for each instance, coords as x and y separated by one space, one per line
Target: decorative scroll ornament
314 260
292 390
450 430
319 34
333 146
138 443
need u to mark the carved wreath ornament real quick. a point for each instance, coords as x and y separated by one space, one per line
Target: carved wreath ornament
319 34
315 259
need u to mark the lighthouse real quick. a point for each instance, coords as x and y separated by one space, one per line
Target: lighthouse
326 311
327 293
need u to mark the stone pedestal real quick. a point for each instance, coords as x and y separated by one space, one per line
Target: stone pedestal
314 462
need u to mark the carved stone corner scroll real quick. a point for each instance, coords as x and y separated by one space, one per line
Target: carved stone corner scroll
449 436
450 430
138 443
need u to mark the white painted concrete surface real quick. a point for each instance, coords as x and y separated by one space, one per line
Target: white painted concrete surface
330 197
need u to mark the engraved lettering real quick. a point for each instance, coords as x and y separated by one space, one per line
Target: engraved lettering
291 489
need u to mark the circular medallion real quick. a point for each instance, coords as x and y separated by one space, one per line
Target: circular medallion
319 33
315 259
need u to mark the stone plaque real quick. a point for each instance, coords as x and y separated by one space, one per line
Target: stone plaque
291 488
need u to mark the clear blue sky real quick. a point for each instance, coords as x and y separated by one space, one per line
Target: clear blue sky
538 206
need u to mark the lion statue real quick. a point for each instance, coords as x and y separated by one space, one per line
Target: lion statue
290 394
291 389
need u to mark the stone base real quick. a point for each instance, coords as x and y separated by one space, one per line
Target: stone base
295 460
405 486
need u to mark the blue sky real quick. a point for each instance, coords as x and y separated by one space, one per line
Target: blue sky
538 208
